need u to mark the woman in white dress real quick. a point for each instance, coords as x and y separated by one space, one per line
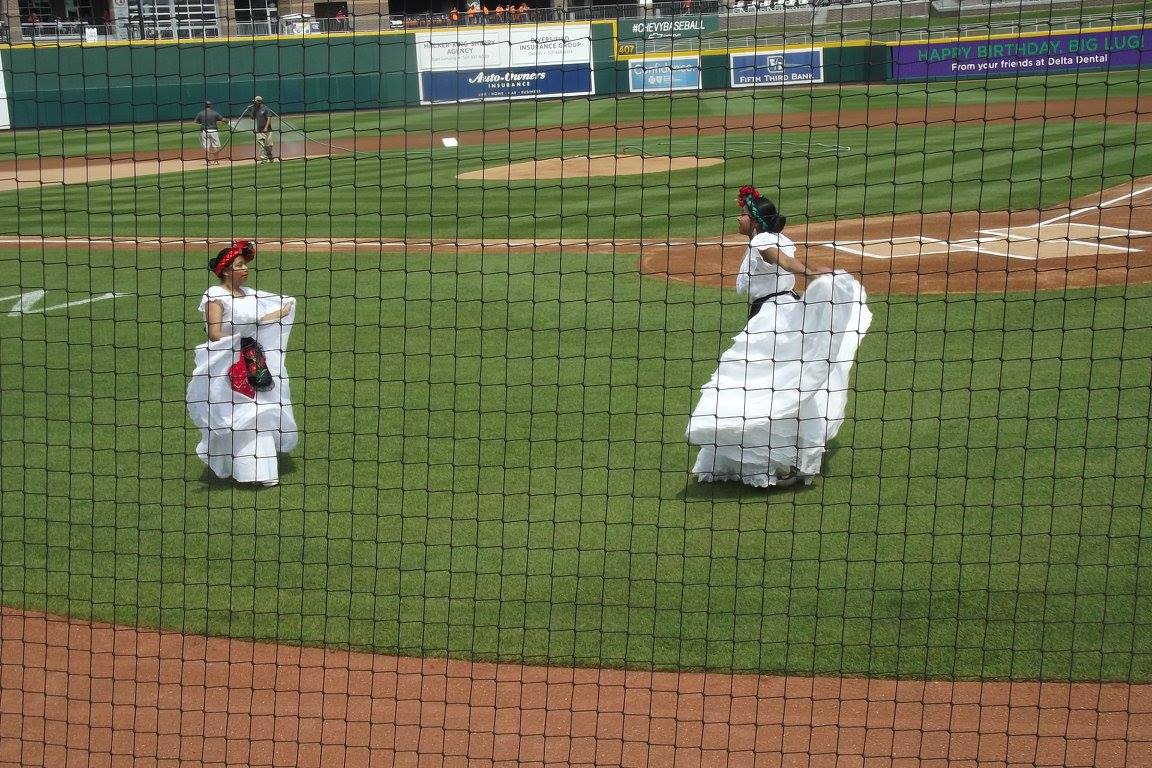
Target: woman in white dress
779 393
239 395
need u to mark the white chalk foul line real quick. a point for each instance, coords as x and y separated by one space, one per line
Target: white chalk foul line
28 301
1105 204
1100 245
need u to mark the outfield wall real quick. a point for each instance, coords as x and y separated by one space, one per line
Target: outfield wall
70 85
851 63
100 84
75 85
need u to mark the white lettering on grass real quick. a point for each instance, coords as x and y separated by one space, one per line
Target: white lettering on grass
27 301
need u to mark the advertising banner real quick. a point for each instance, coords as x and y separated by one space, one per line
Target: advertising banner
664 74
1047 54
671 28
782 67
503 47
508 83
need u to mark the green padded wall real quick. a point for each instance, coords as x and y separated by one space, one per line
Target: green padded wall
74 85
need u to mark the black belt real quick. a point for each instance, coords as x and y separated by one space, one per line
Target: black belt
754 307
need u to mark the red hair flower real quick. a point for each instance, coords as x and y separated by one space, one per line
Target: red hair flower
747 191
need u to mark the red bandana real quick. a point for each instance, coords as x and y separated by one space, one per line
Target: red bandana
240 248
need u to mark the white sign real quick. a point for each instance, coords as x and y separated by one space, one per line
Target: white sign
5 118
464 49
91 35
681 73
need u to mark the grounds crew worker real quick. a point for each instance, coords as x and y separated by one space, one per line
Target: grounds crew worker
209 119
262 117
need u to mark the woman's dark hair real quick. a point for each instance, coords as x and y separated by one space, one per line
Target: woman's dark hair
761 209
214 262
769 219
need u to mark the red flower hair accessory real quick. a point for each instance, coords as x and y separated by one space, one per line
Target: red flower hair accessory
747 191
749 200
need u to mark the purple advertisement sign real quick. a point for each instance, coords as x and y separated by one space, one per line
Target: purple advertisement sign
1013 56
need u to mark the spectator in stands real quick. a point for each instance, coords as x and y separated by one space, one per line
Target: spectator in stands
471 11
499 12
454 15
522 11
341 19
33 19
486 16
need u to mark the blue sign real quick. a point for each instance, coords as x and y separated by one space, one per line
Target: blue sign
777 68
514 83
679 74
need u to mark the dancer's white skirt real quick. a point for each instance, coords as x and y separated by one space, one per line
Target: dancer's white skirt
240 437
779 393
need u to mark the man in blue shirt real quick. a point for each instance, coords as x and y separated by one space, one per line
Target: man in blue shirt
209 121
262 117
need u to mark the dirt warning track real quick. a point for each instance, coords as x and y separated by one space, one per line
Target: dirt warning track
78 694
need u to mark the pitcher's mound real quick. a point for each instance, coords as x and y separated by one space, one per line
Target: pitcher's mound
582 167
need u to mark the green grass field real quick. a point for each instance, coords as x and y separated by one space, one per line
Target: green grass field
493 462
827 174
626 110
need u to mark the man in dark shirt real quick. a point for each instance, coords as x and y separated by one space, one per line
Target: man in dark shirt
262 116
209 120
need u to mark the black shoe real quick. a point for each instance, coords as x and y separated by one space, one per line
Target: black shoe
792 478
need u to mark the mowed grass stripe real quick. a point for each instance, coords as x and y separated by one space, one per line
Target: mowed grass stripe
605 110
875 172
493 466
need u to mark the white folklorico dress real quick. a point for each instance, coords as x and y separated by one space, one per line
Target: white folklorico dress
779 392
241 436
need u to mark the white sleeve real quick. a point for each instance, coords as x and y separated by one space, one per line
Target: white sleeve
214 293
744 274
